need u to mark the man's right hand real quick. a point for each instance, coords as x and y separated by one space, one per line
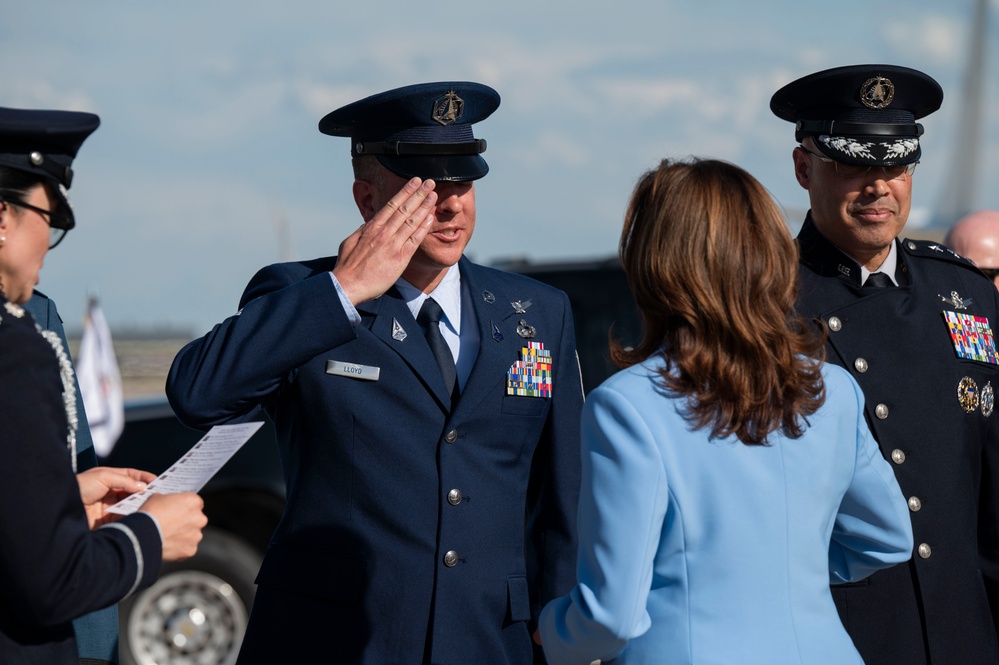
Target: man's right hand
181 520
374 256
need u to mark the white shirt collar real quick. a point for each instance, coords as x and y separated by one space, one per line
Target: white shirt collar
447 294
887 266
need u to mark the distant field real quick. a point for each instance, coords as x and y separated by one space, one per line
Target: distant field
143 363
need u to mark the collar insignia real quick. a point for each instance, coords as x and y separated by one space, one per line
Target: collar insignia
497 335
398 334
488 297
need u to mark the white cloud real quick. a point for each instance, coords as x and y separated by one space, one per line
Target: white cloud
941 37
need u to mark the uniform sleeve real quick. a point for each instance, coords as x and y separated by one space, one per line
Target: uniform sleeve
237 366
622 506
553 493
873 529
52 567
988 513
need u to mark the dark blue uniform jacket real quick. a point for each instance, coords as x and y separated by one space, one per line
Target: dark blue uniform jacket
376 559
932 414
52 567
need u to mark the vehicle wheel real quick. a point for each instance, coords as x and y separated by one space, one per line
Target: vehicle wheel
196 612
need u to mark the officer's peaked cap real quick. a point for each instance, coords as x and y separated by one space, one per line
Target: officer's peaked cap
44 143
861 114
422 130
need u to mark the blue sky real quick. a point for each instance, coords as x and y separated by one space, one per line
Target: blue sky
208 145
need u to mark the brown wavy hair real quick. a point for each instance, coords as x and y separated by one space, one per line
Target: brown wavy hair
715 274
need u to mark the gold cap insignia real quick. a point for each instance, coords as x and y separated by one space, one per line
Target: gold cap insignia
447 109
877 92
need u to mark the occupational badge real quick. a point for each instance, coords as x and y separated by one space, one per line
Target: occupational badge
877 92
972 337
987 399
398 334
956 301
526 330
531 376
520 306
967 394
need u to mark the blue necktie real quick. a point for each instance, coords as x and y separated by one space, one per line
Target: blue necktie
430 318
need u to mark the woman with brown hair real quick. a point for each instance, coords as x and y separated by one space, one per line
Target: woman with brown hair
728 475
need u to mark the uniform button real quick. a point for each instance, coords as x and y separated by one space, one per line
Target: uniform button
924 551
835 324
451 436
897 456
451 559
881 411
860 365
911 245
915 504
454 497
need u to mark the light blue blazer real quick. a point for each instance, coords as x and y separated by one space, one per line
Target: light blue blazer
709 551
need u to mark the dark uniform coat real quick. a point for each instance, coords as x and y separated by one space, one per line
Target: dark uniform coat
414 532
932 414
52 567
97 632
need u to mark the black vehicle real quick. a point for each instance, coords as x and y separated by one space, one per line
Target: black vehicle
197 611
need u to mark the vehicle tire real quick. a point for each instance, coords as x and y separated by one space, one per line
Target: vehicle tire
197 610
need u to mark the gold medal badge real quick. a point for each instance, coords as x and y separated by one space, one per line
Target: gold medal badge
967 394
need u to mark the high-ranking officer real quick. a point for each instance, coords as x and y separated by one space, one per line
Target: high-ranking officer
427 413
915 325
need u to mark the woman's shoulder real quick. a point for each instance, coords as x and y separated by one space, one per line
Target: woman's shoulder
16 323
20 340
839 383
636 384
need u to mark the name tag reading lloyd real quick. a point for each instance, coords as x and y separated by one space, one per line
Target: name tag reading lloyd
364 372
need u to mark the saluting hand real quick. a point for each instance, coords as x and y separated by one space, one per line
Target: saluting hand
374 256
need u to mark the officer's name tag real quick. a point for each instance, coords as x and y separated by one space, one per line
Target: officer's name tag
340 368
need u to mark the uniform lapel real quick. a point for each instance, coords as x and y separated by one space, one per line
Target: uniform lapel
491 303
380 316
